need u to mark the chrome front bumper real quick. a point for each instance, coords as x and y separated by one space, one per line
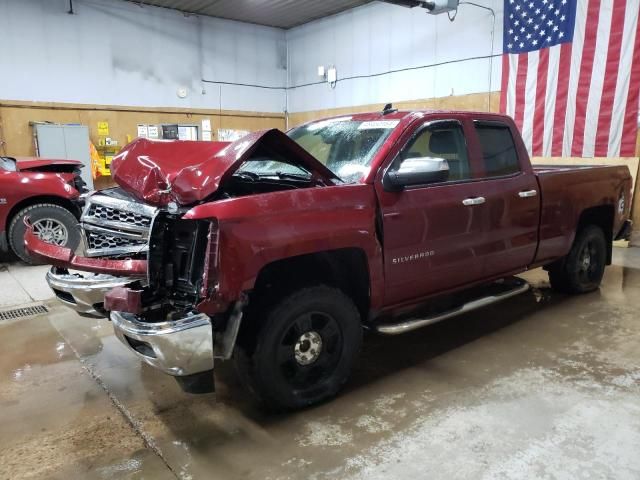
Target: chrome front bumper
84 292
179 347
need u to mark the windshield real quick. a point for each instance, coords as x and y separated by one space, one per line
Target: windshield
267 166
344 146
8 164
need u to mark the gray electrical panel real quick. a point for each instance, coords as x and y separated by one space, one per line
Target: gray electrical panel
70 142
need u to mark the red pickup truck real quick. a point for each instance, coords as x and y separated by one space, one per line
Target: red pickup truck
279 249
48 192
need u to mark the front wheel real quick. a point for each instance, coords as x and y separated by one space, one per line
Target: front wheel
304 349
582 269
51 223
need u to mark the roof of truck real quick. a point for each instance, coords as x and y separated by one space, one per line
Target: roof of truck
402 114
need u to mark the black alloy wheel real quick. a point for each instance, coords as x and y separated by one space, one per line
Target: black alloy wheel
302 351
590 260
581 271
310 349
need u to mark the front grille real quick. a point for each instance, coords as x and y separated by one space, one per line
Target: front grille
101 241
115 224
107 213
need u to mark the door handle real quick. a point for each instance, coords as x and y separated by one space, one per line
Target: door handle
528 193
473 201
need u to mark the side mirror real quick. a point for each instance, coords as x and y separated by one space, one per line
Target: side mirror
416 171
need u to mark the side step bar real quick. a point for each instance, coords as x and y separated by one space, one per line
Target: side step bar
415 323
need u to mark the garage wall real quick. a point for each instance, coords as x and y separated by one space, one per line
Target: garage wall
472 102
379 38
122 63
17 134
369 41
118 53
93 66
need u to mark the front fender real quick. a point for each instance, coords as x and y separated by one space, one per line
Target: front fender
260 229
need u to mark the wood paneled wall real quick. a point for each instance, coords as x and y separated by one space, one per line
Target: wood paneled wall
476 101
16 134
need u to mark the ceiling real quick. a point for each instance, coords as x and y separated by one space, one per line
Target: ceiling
274 13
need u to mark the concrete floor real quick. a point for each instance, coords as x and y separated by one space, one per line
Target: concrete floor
540 386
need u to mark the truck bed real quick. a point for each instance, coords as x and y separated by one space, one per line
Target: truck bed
547 168
567 191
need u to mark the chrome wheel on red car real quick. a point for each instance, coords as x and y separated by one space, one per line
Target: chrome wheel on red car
51 230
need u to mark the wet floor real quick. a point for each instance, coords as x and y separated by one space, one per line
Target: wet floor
542 385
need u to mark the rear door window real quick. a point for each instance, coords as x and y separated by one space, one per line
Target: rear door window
498 150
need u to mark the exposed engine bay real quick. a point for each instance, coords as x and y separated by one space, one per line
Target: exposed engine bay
139 221
182 254
266 171
247 183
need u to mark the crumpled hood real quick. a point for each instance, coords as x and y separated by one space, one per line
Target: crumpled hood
158 172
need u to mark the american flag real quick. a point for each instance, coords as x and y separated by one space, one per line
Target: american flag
571 75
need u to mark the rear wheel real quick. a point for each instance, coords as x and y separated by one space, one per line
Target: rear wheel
51 223
303 351
582 269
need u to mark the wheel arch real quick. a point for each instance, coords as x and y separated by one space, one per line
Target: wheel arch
345 269
601 216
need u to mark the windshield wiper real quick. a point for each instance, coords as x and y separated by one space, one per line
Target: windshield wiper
293 176
299 176
254 177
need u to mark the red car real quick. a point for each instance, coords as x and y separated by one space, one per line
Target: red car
278 250
45 191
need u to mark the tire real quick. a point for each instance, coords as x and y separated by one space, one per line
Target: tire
582 269
303 351
64 229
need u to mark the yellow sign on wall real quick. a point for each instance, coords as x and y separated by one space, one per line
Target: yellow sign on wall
103 128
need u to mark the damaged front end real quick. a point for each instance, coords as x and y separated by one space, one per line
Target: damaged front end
160 321
84 291
114 226
81 282
166 307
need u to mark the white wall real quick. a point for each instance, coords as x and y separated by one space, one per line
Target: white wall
379 37
118 53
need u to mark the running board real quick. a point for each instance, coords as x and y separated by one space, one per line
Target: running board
415 323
